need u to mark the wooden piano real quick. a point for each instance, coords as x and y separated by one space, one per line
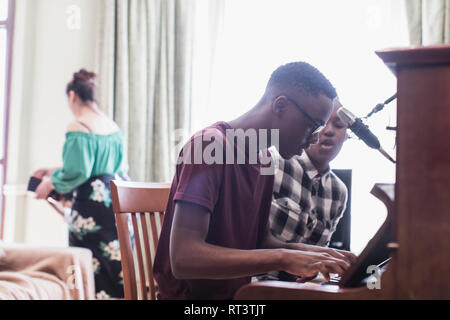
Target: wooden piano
416 233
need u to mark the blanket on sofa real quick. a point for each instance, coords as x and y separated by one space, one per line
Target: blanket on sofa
35 273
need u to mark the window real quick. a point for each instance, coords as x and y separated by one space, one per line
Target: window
6 31
340 39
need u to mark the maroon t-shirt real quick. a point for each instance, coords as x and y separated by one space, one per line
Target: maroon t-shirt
238 198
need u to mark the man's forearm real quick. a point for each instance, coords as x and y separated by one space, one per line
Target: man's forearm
191 257
201 260
272 242
206 261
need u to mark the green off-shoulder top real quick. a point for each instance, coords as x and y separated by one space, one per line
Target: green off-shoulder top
86 155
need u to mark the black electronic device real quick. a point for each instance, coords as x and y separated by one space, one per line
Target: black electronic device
34 182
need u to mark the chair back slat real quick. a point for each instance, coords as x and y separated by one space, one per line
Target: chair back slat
129 276
139 201
148 256
139 254
161 217
154 229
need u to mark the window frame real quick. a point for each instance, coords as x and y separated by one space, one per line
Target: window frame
8 25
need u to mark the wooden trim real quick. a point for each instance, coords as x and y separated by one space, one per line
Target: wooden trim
280 290
135 195
414 56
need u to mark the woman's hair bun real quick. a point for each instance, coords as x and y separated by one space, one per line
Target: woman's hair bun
83 84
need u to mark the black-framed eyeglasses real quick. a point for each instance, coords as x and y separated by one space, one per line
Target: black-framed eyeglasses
317 126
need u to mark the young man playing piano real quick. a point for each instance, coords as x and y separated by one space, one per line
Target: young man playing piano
308 198
215 234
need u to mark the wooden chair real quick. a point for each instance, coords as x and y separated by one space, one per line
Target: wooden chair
145 203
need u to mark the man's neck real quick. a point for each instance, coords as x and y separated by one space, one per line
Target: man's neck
321 167
253 119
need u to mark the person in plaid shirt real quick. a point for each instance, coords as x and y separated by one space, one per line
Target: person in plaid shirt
308 198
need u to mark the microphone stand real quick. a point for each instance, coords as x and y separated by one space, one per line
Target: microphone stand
377 108
380 106
384 153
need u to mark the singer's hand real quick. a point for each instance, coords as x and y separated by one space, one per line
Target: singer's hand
44 188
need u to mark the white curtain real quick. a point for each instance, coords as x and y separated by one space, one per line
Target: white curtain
209 25
428 21
145 76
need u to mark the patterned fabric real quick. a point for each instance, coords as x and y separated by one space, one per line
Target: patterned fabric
306 205
92 225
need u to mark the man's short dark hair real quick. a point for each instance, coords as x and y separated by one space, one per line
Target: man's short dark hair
302 76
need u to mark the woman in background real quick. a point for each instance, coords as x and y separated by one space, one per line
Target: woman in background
93 154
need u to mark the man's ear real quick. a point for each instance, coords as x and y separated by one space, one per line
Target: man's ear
279 105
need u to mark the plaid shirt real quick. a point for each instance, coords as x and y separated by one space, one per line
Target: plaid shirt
306 206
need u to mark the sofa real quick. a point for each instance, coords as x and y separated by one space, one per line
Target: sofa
45 273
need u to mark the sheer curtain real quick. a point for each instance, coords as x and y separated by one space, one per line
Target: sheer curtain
428 21
339 38
145 70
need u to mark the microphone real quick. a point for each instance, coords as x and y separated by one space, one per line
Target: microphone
361 131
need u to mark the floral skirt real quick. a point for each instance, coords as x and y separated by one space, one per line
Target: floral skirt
92 225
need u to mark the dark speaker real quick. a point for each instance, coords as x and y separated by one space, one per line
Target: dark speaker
341 237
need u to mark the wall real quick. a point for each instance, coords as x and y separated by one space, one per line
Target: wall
48 47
